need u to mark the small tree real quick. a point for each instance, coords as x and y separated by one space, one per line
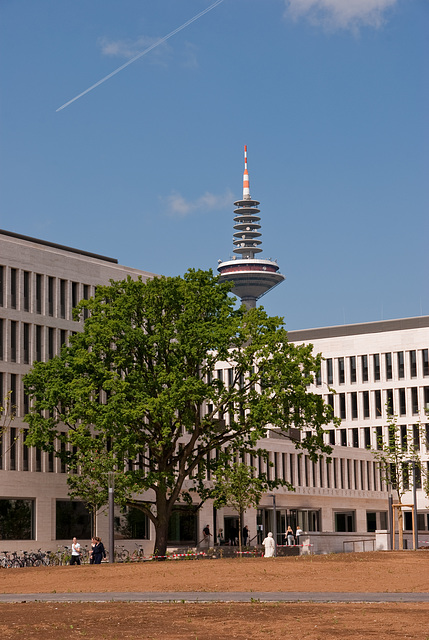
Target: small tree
394 458
239 487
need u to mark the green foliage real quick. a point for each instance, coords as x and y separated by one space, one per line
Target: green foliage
396 455
136 390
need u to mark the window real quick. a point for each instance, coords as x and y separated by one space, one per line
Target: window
401 367
343 437
1 339
414 400
38 343
342 398
379 437
376 520
26 291
51 340
85 297
364 368
72 519
39 293
1 285
308 520
25 452
403 435
402 402
12 448
16 519
344 521
389 402
365 400
319 378
388 362
75 294
416 437
425 362
354 405
376 363
13 288
413 364
13 394
377 400
51 282
26 342
332 436
63 285
352 368
329 371
341 377
182 526
355 437
132 524
367 437
13 341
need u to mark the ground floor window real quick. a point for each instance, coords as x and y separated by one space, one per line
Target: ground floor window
422 521
16 519
345 521
72 520
132 524
376 520
182 528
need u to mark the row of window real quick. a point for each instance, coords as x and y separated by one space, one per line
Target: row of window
28 342
379 403
375 367
410 437
72 518
40 294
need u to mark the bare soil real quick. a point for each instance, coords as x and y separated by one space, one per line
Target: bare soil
360 572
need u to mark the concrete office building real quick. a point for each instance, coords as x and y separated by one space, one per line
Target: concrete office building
336 504
40 283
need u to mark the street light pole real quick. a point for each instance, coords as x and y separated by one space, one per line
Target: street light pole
416 527
111 484
274 523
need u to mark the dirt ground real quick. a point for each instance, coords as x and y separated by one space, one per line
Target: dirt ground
360 572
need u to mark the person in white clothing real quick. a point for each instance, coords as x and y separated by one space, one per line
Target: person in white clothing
75 555
268 543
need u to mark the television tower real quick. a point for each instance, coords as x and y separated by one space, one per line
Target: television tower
252 277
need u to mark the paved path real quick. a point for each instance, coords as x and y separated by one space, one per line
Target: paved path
218 596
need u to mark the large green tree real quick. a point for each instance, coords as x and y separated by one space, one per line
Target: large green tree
138 388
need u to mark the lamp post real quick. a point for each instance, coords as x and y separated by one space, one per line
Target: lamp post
111 485
416 527
271 495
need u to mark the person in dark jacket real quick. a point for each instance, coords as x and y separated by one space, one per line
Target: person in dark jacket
98 551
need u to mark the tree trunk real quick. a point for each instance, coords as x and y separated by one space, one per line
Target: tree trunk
160 548
400 529
240 514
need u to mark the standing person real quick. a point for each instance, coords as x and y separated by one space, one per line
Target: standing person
289 536
206 535
98 551
268 543
91 557
75 554
220 539
245 535
298 533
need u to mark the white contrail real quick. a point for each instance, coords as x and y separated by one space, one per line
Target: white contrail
139 55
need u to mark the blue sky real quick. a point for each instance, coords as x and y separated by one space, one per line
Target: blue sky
331 97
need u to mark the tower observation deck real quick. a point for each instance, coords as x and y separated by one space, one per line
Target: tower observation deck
252 277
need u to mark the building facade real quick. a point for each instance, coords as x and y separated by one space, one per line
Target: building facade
338 504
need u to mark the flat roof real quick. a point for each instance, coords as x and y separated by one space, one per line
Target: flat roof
418 322
57 246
